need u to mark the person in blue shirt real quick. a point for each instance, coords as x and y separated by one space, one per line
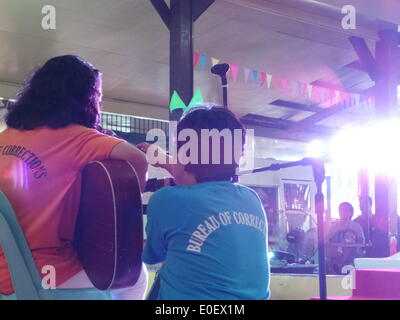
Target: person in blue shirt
209 232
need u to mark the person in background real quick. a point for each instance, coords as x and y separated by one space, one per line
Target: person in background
51 136
209 232
375 238
272 216
345 239
367 217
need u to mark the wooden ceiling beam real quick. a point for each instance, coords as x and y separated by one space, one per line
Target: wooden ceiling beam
367 59
200 6
323 84
285 129
297 106
163 10
315 118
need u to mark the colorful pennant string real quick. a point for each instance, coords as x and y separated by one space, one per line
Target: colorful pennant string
295 88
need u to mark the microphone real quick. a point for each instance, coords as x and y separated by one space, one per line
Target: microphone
316 163
220 69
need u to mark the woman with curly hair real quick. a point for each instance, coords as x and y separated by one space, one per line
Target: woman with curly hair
52 134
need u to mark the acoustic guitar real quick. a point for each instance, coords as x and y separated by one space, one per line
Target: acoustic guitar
109 229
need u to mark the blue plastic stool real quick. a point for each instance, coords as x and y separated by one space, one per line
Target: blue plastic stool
25 277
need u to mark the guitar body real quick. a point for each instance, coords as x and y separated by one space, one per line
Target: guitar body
109 228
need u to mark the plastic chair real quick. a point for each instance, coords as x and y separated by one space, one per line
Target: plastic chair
25 277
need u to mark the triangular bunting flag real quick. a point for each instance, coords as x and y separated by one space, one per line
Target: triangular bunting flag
228 73
292 87
340 97
269 80
255 76
323 94
203 61
262 78
371 102
309 90
234 68
357 98
246 74
327 94
276 84
337 97
316 96
196 57
319 95
214 61
284 85
351 100
331 96
347 99
197 98
362 100
304 89
299 88
176 102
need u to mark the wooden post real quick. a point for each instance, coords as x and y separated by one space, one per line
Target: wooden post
181 52
387 62
179 18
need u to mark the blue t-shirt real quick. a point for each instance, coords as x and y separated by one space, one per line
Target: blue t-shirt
212 237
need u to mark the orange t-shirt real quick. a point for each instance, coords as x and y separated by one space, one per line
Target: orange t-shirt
40 175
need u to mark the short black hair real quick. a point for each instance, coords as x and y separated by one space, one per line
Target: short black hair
210 116
369 199
349 205
64 91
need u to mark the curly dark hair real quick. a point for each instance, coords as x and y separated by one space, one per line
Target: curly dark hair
65 90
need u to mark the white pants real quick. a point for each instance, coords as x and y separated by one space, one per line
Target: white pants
136 292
